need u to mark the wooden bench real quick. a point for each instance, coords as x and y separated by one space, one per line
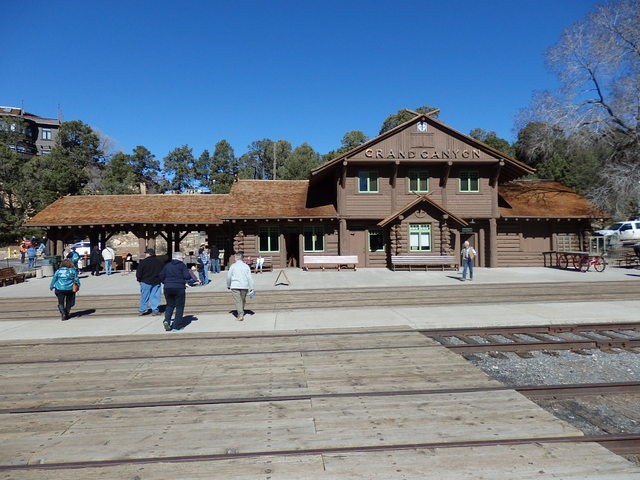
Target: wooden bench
424 262
267 266
9 275
338 261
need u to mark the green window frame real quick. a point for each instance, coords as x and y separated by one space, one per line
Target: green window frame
269 239
420 237
469 181
418 181
313 238
376 240
368 181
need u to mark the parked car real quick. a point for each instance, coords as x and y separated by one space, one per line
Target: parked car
83 248
625 231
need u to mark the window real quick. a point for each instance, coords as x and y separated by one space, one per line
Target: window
313 239
420 237
46 134
269 239
367 181
469 181
376 240
419 181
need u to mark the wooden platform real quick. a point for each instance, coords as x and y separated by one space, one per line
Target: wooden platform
384 404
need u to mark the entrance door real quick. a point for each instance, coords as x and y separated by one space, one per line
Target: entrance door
472 238
292 249
358 245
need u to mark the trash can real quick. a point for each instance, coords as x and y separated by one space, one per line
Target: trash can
47 268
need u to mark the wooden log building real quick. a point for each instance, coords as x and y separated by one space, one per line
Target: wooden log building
419 189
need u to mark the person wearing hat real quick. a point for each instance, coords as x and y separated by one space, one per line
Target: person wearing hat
148 275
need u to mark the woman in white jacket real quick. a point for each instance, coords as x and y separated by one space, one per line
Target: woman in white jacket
240 282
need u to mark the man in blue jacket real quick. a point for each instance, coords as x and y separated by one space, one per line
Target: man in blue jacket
174 276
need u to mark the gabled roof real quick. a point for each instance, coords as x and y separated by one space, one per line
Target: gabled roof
262 199
513 167
544 199
421 199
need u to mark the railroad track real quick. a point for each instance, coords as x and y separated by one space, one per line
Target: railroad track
624 336
135 356
277 300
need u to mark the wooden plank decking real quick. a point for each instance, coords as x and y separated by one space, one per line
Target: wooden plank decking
384 404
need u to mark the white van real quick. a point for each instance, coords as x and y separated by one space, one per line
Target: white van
625 231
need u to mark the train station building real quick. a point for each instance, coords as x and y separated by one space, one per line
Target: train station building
419 189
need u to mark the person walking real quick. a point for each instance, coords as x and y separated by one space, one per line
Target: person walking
95 259
32 253
74 256
62 283
108 255
174 276
468 254
148 275
239 282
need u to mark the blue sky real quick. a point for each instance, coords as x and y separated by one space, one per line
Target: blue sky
163 74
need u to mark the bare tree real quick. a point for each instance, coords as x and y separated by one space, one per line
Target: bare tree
598 63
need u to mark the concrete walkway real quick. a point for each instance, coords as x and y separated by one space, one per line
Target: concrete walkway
444 316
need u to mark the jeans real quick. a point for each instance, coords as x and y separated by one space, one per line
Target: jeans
149 297
204 274
175 298
215 265
32 262
107 266
467 263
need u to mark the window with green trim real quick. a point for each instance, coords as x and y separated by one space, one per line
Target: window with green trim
367 181
469 181
313 238
269 239
376 240
420 237
419 181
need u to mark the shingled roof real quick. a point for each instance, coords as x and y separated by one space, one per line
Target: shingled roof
544 199
133 209
248 199
263 199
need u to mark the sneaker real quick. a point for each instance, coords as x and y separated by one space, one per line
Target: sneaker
240 318
167 326
142 313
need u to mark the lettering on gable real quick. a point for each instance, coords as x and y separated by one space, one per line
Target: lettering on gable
452 154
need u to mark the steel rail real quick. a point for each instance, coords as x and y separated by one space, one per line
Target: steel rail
531 391
539 346
621 444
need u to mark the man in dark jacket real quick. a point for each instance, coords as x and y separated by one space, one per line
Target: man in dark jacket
148 275
174 276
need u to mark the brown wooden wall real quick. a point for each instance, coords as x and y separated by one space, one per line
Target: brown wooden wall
521 242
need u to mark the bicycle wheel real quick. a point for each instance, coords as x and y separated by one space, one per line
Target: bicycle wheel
563 261
599 264
585 262
577 262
